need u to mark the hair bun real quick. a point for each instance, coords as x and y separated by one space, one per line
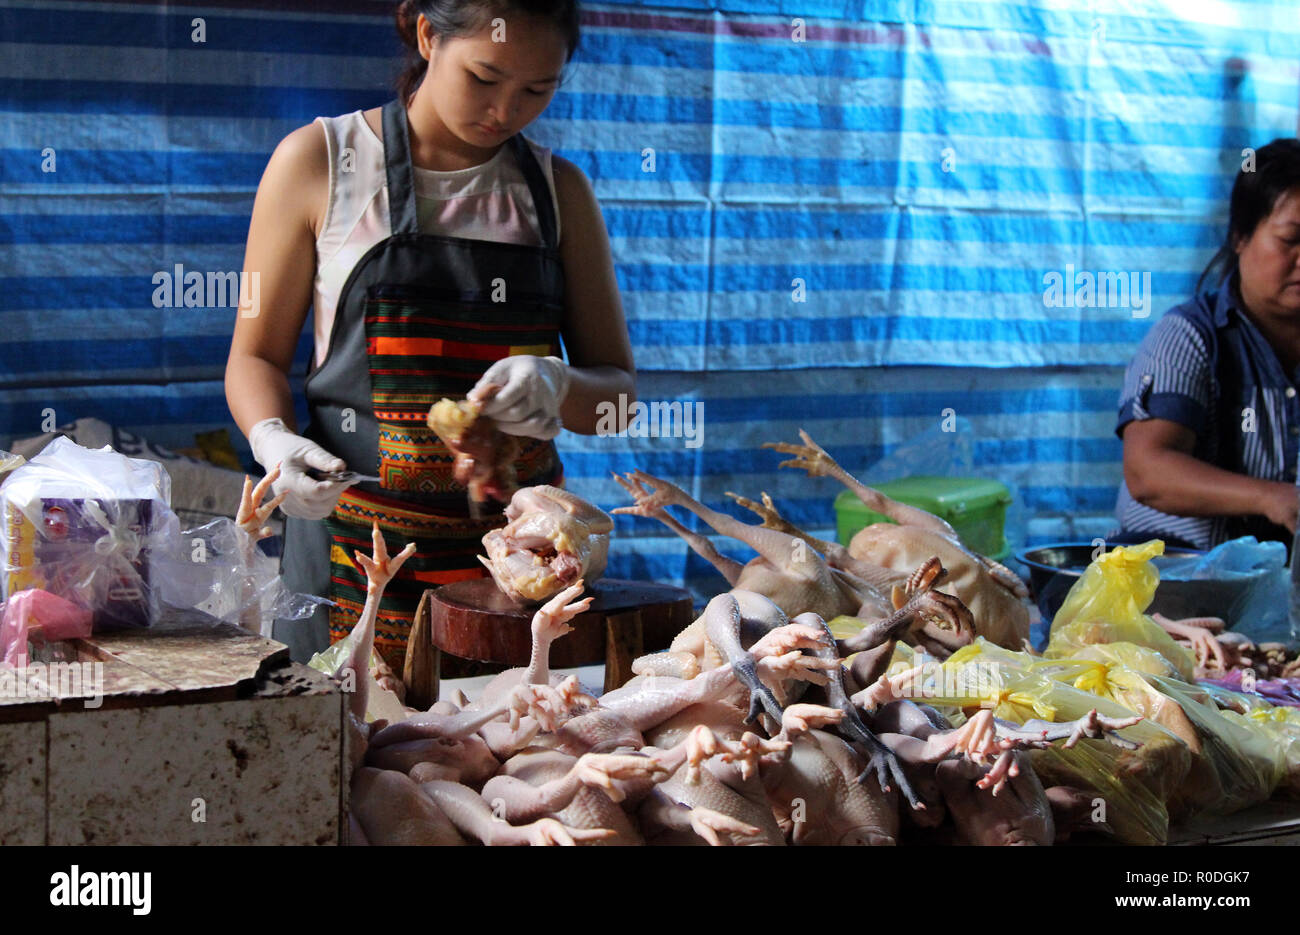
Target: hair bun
408 13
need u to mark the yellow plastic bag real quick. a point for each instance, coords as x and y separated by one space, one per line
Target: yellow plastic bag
844 626
1282 724
1130 656
1201 788
1130 786
1107 604
1245 763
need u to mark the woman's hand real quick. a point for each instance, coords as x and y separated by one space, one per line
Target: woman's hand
528 394
1282 505
304 496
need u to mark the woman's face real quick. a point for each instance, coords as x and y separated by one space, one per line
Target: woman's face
1270 261
486 91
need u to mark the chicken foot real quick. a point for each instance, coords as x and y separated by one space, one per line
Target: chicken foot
544 704
874 580
659 814
1199 634
1039 733
519 800
251 517
794 576
723 623
549 624
700 545
944 619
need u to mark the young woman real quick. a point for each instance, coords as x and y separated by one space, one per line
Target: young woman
441 251
1209 414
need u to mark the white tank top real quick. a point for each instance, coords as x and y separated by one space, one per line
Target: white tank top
490 201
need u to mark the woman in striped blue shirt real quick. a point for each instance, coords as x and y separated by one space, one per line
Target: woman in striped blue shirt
1209 414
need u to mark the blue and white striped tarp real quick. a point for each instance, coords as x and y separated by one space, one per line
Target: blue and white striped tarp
848 225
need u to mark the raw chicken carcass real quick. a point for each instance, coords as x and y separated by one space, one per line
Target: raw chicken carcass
798 579
552 539
994 594
485 456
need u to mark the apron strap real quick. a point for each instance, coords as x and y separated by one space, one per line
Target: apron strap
537 185
401 186
397 158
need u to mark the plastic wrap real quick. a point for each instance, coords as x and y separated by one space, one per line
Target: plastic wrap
1232 766
1282 725
1130 656
219 569
1202 786
84 525
1106 605
9 462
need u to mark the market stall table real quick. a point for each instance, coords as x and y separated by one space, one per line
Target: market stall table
189 732
1274 822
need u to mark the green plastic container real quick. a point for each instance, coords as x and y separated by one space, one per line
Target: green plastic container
975 506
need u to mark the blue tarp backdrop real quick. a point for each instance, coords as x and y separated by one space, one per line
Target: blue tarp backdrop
853 211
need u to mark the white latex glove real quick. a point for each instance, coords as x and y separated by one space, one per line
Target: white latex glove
532 390
273 444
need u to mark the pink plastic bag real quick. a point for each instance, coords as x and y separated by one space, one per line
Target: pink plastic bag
40 615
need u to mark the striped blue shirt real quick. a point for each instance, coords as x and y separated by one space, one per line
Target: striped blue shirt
1206 366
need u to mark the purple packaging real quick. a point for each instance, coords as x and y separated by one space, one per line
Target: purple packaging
76 556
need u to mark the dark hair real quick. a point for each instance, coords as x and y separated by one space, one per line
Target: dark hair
452 18
1254 195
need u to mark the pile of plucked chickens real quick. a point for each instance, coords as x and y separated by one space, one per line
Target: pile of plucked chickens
874 694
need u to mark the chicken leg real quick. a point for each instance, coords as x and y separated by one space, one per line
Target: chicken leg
251 517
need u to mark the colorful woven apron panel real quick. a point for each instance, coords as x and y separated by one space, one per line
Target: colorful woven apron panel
424 345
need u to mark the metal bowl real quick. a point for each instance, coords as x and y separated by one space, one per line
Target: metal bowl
1053 570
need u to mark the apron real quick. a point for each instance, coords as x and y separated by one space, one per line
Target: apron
416 321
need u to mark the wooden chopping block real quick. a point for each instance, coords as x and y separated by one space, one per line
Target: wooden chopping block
475 620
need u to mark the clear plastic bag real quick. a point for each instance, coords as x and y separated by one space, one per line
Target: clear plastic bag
95 528
84 525
219 569
40 617
1106 605
9 462
1254 582
950 453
